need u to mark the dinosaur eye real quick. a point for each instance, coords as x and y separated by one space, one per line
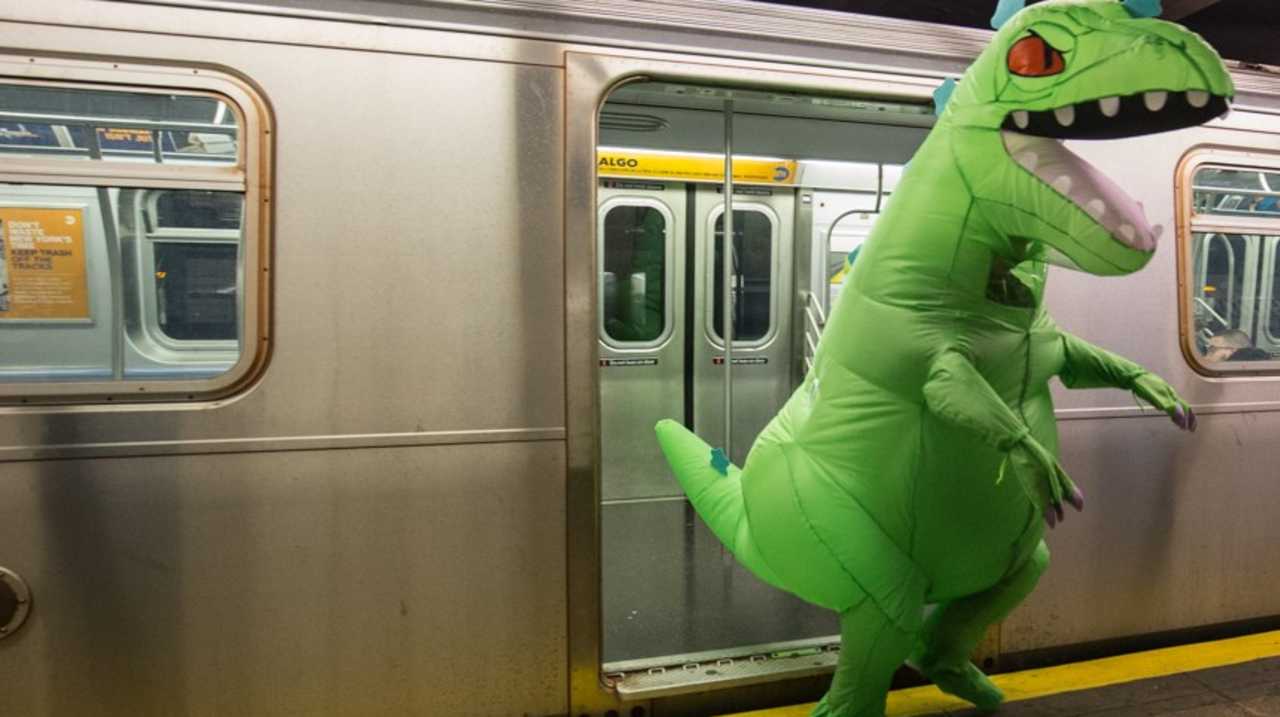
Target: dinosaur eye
1033 57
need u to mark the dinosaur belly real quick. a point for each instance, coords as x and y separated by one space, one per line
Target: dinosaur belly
970 530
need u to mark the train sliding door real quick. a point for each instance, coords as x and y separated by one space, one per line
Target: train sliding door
761 281
641 230
670 590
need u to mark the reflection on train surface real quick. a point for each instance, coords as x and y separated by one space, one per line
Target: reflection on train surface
334 341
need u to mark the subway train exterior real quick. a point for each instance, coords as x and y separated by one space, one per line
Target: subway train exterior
332 336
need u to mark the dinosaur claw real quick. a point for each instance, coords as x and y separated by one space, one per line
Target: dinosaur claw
1076 498
1050 516
1191 420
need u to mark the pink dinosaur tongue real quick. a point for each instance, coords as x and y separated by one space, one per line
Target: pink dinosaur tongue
1086 187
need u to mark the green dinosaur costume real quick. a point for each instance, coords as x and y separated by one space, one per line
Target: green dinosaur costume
915 461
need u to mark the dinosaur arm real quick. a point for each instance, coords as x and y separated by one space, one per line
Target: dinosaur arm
957 392
1089 366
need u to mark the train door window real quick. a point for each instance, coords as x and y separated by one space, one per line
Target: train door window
1233 289
754 236
190 262
635 245
1220 291
131 242
196 291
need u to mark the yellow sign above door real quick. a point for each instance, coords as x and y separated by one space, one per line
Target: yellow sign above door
693 167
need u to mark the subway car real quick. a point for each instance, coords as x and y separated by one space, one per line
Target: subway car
333 334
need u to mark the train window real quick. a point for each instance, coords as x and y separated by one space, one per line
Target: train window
1234 291
752 281
1233 191
136 274
71 122
635 244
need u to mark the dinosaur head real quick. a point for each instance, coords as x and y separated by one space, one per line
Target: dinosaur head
1087 69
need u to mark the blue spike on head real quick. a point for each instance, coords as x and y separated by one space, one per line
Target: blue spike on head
720 461
1005 10
942 95
1143 8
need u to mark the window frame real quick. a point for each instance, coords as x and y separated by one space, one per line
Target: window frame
249 175
668 280
1265 228
711 331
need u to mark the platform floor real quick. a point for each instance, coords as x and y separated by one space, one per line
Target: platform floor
1225 678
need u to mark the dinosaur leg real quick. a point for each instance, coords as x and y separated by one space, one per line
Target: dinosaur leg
952 632
871 649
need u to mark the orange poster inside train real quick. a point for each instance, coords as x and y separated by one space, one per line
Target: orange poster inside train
42 266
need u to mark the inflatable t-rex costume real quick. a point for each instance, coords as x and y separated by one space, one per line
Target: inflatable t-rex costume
915 461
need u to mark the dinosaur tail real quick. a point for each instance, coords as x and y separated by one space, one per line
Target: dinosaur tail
714 486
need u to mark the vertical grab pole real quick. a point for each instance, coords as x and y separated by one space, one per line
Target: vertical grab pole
726 267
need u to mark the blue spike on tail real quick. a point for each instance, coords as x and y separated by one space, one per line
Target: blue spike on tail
1005 10
1143 8
720 461
942 95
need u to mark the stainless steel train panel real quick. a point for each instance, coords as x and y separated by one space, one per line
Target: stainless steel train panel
395 298
426 581
1178 531
642 365
417 299
761 375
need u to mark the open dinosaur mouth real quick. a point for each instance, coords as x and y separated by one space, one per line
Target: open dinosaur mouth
1120 116
1031 138
1086 187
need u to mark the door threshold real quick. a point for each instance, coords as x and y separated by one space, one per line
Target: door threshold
718 669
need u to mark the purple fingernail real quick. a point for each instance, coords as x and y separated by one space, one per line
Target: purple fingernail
1076 498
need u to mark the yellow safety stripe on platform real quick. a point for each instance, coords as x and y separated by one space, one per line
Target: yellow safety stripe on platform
1077 676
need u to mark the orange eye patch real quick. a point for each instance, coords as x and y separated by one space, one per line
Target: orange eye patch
1033 57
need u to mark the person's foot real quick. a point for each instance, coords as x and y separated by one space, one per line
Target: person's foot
966 682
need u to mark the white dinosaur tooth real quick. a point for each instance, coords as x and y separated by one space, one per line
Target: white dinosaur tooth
1096 208
1062 184
1197 98
1030 160
1110 106
1022 119
1155 100
1128 233
1066 116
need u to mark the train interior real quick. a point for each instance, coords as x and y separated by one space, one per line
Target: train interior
810 175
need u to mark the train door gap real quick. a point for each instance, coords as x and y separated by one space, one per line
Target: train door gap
690 229
677 608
